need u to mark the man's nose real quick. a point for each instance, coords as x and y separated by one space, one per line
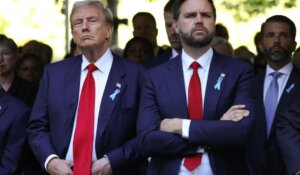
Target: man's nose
85 25
199 18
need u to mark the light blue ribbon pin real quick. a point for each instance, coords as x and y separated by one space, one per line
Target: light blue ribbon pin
113 95
219 81
117 91
289 89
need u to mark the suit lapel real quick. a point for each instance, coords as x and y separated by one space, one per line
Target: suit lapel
71 93
3 99
71 86
260 106
288 94
175 87
212 93
114 89
290 89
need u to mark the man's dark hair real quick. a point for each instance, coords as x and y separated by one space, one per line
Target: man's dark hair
178 3
139 14
221 31
281 19
9 43
169 6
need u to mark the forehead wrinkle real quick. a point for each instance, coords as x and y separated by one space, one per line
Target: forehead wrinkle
91 12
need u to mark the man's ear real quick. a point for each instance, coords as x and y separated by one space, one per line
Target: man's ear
109 31
175 27
156 32
294 46
260 47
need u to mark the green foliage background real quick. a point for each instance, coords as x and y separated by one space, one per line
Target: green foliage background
42 20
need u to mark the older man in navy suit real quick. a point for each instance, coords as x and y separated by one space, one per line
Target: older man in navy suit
83 120
196 110
13 121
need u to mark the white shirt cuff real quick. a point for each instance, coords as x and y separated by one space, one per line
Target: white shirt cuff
105 156
200 150
185 128
48 160
185 133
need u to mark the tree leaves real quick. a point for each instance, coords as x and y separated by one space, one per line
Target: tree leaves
245 9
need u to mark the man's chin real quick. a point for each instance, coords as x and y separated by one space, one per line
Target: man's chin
277 57
86 45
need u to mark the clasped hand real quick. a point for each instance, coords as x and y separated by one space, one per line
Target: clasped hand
58 166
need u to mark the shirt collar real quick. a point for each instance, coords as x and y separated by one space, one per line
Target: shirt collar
286 70
174 53
204 60
103 63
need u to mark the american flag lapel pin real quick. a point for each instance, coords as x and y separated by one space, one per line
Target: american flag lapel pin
118 85
116 92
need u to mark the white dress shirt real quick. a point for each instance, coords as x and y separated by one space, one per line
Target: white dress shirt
174 54
205 60
282 80
100 76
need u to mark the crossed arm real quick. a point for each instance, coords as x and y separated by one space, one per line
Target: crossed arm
174 125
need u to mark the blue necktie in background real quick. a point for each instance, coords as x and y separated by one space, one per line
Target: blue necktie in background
271 100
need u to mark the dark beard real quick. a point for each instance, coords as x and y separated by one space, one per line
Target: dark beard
279 55
196 43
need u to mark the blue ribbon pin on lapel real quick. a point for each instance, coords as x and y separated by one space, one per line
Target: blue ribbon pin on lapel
219 81
289 89
116 92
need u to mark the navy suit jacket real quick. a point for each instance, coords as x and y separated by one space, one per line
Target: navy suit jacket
288 127
163 96
13 122
152 62
263 153
53 113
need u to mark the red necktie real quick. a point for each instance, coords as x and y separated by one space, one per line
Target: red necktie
195 111
84 131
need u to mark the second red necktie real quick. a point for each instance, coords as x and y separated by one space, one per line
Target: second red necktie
195 111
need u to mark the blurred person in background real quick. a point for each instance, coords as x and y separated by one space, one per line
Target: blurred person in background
42 50
144 25
9 80
138 49
173 38
74 50
221 31
30 68
19 88
222 46
244 54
